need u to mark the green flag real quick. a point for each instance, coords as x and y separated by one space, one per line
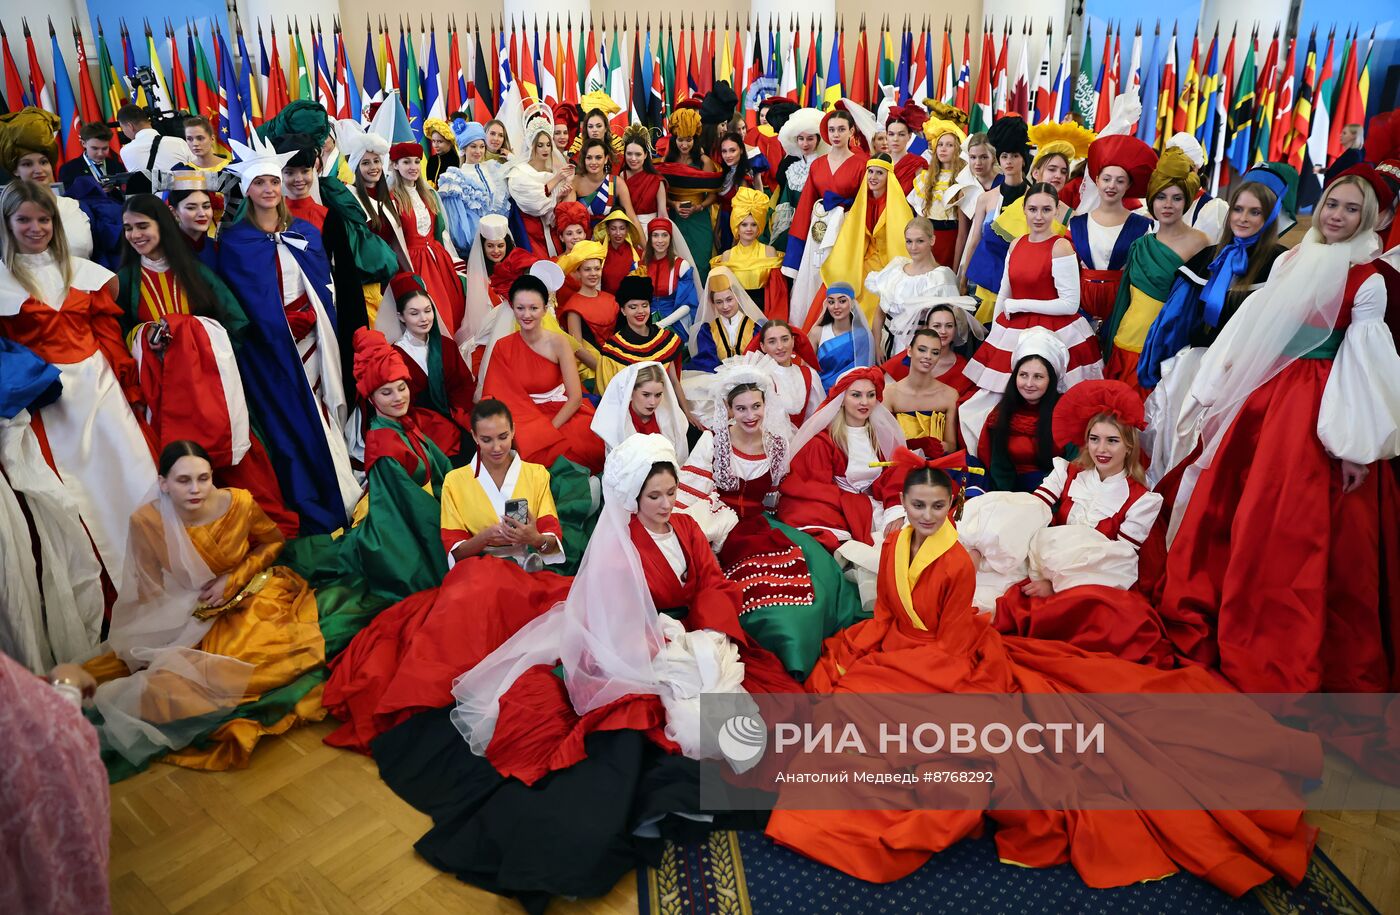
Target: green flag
302 84
1240 148
1084 102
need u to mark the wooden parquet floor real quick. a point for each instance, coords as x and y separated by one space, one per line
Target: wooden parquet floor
310 830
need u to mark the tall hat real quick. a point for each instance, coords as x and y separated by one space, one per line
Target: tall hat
1009 135
255 160
1128 153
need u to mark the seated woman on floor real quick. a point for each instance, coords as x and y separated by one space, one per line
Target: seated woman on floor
842 337
1062 563
955 326
927 409
926 637
793 592
832 491
753 262
636 338
795 371
673 279
642 398
440 381
207 626
622 238
1017 443
532 371
590 314
727 321
406 659
392 543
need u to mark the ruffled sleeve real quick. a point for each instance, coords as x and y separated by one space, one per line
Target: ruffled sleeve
1359 420
696 495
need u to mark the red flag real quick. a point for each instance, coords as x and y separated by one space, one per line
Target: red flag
1109 66
342 78
455 101
88 108
277 95
1283 108
964 96
859 90
693 68
809 72
1350 107
14 85
569 89
180 88
39 91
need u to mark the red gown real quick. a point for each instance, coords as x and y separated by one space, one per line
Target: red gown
431 261
812 502
620 262
954 650
538 730
1021 442
599 314
1275 577
307 208
821 180
515 376
642 188
1093 617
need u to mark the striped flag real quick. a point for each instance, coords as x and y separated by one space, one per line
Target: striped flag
232 123
38 89
1019 99
247 84
15 95
1062 100
68 122
1264 110
1084 101
89 109
1283 108
277 97
1041 99
1347 109
963 99
177 72
1185 115
1166 95
1322 107
1211 87
434 105
1297 141
206 87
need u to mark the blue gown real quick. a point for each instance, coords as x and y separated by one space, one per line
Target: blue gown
838 355
712 346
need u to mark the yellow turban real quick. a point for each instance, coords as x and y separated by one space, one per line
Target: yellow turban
583 251
440 127
937 127
599 100
748 202
1067 139
1173 168
684 122
26 131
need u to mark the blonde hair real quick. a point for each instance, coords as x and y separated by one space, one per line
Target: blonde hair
1132 461
17 194
284 214
936 168
1370 206
837 430
398 192
647 374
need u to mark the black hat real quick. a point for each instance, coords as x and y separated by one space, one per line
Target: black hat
779 110
304 146
1010 135
719 104
632 288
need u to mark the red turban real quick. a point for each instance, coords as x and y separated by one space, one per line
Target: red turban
1082 402
660 224
872 374
376 362
1128 153
570 213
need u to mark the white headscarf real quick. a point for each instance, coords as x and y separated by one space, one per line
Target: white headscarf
1037 341
707 311
612 421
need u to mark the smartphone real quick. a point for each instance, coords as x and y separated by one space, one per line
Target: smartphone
519 509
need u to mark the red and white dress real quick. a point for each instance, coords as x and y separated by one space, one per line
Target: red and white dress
1081 534
432 261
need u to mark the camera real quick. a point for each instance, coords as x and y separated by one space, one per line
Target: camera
166 123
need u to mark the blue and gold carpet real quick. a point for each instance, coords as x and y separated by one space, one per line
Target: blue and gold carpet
742 873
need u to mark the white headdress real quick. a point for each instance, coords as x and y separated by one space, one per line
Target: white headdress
749 368
1037 341
612 421
354 141
493 227
1188 144
803 120
256 160
707 311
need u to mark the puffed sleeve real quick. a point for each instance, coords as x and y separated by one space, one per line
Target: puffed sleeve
1065 271
1359 419
526 188
1070 555
1141 515
696 494
999 526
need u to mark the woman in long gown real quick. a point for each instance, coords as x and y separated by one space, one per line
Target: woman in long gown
1204 297
793 592
982 261
1120 167
184 325
1151 266
753 262
1017 445
796 371
832 490
622 238
738 175
1282 574
841 336
422 219
290 364
406 659
906 287
533 372
367 154
692 182
831 185
926 637
1040 288
595 185
440 381
472 190
646 190
537 181
590 314
1061 563
800 138
955 327
207 626
62 308
673 280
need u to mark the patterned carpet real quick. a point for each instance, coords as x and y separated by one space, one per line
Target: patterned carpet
742 873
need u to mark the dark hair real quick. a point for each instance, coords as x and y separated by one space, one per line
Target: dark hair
1040 187
379 194
843 115
926 332
490 264
95 130
928 476
176 450
736 176
1261 253
527 282
179 254
401 302
175 198
589 144
486 409
648 163
658 468
133 114
745 388
673 152
1012 402
883 157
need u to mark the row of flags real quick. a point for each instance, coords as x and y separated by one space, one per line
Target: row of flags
1242 112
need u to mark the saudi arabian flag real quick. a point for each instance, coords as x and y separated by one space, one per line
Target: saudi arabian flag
1084 102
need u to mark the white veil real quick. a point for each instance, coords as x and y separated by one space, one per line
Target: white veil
174 691
612 420
749 368
707 313
888 434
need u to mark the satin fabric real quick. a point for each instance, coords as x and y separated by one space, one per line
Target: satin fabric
516 375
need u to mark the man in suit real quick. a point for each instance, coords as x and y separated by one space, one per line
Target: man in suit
96 161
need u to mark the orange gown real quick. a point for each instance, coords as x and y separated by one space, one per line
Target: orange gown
533 388
925 637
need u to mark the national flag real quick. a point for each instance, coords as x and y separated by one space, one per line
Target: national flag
1042 103
206 87
1147 121
264 71
1001 88
1363 81
405 47
321 72
70 147
456 79
232 123
1108 84
277 96
1220 111
412 89
617 79
726 59
641 86
963 99
1347 108
1297 140
980 117
178 81
656 104
248 99
505 75
1184 118
1241 147
549 67
1320 129
390 79
809 77
834 89
926 60
345 74
1264 110
1207 120
162 86
595 76
480 95
787 85
15 95
89 109
434 104
38 89
568 88
1084 100
1019 101
1166 94
707 59
1283 108
1131 81
301 86
902 68
859 90
947 76
1062 99
668 69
